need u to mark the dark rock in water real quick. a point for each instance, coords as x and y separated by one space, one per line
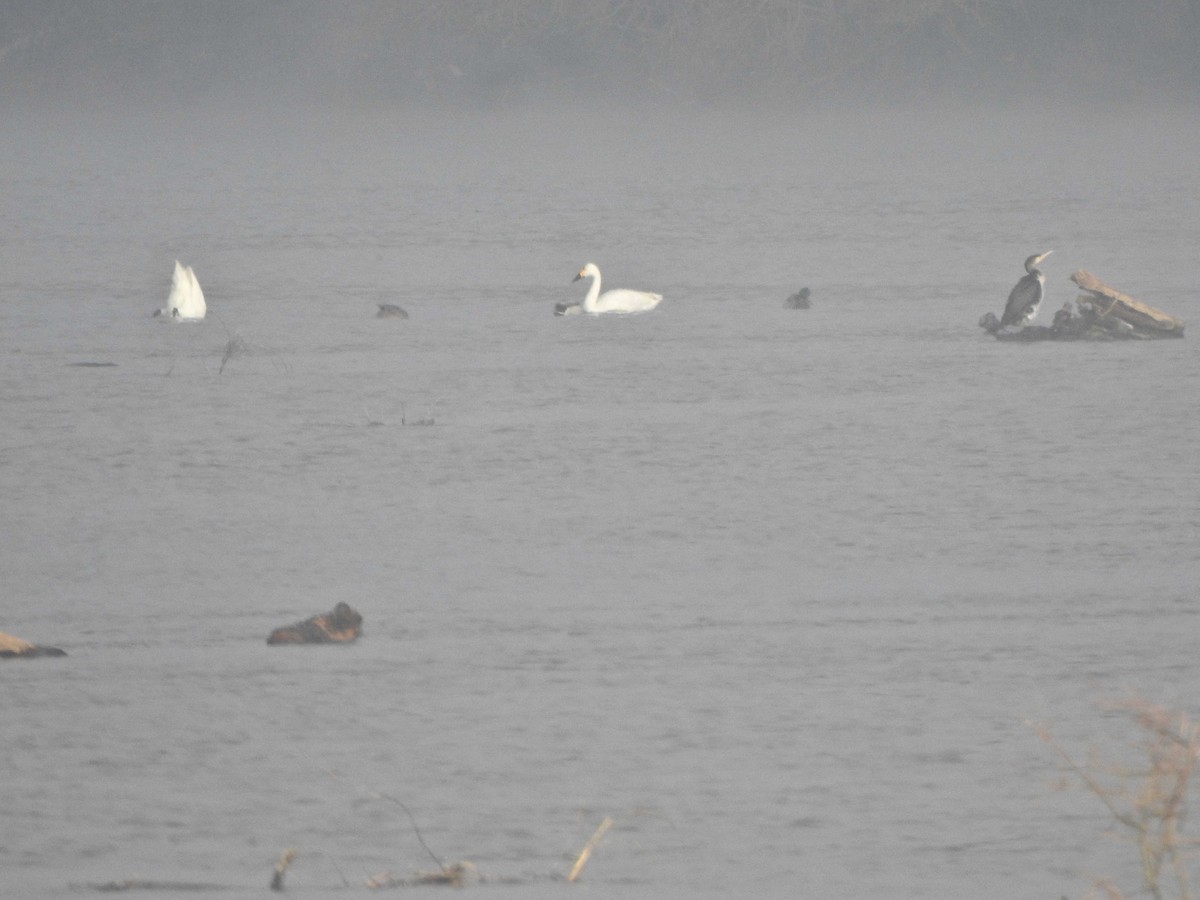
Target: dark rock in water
992 326
1085 325
989 323
390 311
798 300
342 626
15 648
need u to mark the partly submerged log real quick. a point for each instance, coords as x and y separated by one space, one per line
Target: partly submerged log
342 626
144 885
799 300
457 874
1103 314
15 648
1086 326
1107 301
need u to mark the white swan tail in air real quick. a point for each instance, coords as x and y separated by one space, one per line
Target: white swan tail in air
186 301
619 300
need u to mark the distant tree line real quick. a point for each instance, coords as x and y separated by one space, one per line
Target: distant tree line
482 50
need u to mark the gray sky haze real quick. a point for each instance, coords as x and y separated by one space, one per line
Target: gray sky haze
470 54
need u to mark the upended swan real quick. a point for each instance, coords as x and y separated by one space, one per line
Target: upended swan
619 300
186 301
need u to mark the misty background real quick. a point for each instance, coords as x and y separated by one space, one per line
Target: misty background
792 582
700 51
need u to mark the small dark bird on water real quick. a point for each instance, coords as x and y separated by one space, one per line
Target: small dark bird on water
387 310
798 300
1026 297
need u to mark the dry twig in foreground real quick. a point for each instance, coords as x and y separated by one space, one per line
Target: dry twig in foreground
285 860
589 847
1150 802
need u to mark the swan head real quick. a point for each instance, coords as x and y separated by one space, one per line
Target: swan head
588 271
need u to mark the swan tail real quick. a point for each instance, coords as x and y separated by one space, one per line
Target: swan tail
179 289
186 300
198 307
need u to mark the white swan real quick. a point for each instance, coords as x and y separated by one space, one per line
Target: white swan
186 301
619 300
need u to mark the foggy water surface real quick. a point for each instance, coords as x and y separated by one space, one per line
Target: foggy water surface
780 591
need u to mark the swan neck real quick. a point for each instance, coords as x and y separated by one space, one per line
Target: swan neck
589 302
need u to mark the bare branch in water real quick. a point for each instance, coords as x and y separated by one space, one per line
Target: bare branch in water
589 848
233 347
416 830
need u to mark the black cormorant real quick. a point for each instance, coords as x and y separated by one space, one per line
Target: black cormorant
1025 298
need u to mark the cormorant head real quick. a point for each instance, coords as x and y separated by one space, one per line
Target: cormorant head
1034 261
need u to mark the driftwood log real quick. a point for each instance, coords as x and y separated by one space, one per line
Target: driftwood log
1107 301
1102 314
342 626
15 648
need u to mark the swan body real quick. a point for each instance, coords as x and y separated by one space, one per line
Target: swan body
620 300
186 301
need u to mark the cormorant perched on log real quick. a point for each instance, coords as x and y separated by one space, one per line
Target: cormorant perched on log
1025 298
